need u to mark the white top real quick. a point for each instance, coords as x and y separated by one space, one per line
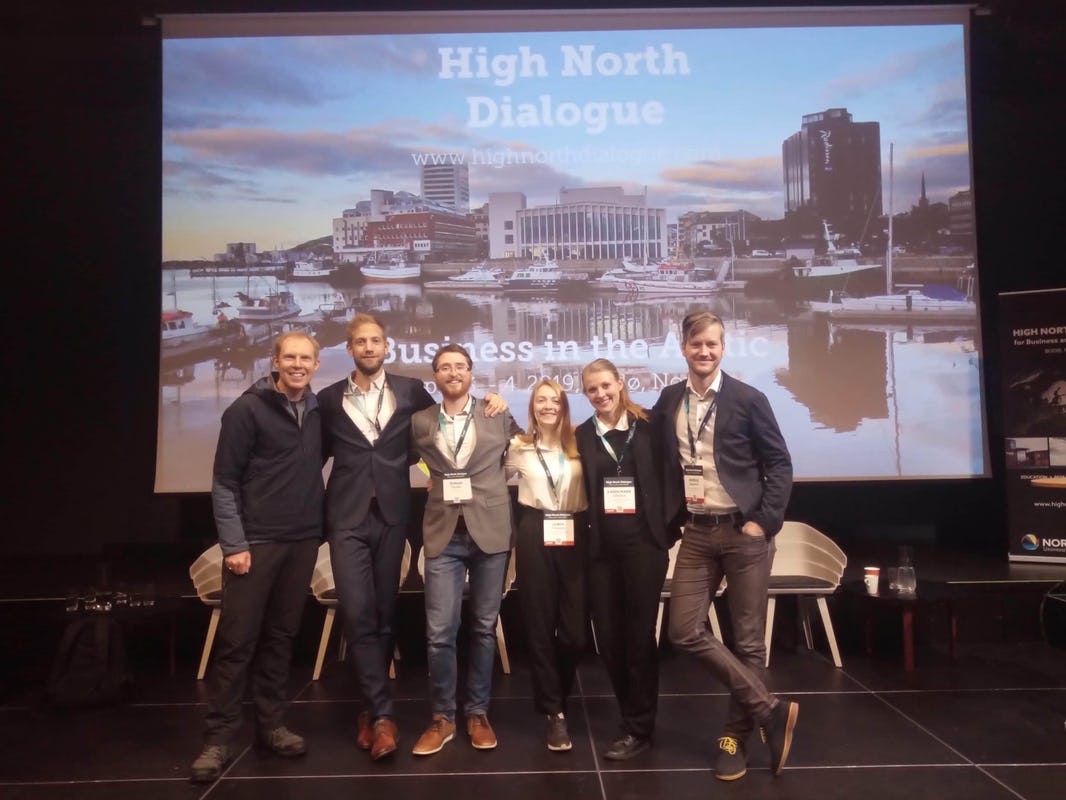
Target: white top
362 406
533 488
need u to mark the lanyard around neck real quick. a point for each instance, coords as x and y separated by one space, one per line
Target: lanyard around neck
547 472
357 398
703 425
462 436
620 457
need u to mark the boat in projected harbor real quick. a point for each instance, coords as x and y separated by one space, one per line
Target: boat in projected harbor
268 307
671 278
177 327
542 275
311 271
839 270
932 303
483 276
390 266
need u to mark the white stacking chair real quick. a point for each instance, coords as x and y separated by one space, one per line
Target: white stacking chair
508 582
324 588
807 563
206 574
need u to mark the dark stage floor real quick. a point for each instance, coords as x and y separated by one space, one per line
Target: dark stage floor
991 725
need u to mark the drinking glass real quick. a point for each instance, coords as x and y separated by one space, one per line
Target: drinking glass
906 581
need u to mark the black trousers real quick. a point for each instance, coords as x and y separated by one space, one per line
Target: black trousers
366 569
261 613
551 591
625 584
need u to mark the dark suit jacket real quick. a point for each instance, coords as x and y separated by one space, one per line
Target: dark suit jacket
361 470
488 515
648 482
749 451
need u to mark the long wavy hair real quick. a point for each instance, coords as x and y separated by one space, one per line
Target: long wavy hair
566 427
603 365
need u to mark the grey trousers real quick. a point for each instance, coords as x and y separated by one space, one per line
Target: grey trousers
706 556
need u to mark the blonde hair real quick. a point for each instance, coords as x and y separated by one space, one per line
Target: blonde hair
280 342
603 365
566 428
361 319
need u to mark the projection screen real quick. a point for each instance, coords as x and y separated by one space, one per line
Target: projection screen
546 188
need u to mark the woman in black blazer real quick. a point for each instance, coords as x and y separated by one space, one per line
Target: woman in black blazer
627 549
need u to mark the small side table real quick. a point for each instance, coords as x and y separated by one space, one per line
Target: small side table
930 593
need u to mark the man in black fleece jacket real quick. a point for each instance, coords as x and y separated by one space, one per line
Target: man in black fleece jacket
267 495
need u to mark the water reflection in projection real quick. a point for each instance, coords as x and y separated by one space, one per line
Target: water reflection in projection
855 400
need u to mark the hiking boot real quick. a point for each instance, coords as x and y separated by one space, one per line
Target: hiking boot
558 736
731 762
283 742
208 766
776 731
440 731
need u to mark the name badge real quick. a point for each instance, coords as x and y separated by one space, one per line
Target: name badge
558 529
693 484
619 496
456 488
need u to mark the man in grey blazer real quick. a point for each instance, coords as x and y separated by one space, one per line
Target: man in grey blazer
467 527
727 478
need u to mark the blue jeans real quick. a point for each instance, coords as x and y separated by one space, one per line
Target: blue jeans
445 580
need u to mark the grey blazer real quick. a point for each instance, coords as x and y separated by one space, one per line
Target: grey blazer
488 515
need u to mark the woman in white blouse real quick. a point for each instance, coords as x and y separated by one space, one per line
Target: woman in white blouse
550 552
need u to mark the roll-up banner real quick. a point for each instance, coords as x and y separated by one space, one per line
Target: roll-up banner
1033 336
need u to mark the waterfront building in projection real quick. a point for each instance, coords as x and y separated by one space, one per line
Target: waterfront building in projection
447 185
712 227
960 214
587 224
832 171
404 221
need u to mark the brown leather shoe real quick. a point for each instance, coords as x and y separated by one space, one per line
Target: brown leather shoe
385 737
482 737
365 739
440 731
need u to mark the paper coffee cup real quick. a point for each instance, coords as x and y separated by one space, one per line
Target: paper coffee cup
871 577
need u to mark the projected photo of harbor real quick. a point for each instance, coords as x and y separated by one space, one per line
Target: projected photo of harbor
546 198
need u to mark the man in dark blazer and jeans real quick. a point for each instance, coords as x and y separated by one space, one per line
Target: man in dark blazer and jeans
727 480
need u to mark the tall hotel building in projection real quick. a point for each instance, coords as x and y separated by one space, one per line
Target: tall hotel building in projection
447 185
833 171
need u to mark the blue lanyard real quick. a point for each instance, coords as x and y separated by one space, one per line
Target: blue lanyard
703 425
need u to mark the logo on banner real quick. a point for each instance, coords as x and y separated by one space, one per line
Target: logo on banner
1030 542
